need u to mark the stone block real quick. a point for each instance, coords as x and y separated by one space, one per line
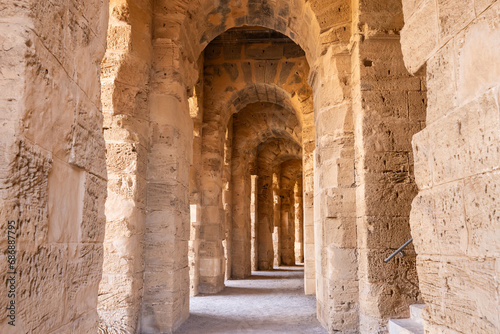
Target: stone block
66 195
382 232
422 153
423 223
340 203
387 195
333 13
341 232
419 37
441 83
341 262
94 219
380 134
232 51
417 106
386 104
264 51
473 75
453 17
481 214
473 132
163 196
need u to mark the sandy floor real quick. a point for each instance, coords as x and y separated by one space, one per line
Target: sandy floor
268 302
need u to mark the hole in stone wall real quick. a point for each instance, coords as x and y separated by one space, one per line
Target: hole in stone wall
367 63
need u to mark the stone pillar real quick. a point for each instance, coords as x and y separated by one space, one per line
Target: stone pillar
241 188
265 222
276 215
299 221
253 224
308 205
334 195
211 254
289 171
196 113
309 251
124 78
227 198
194 249
389 108
166 277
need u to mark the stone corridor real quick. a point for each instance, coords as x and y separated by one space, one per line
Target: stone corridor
155 153
266 302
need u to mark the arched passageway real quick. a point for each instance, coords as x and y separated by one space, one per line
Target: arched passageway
132 131
324 96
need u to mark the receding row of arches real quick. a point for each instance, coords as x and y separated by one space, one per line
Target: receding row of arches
273 116
153 150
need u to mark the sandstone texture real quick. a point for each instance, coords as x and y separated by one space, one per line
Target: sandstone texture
153 150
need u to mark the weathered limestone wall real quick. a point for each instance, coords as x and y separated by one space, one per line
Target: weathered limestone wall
455 218
52 162
124 79
389 107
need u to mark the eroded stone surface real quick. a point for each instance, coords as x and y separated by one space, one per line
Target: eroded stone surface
310 99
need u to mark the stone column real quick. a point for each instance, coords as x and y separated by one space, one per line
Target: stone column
227 198
211 255
241 188
253 224
299 221
389 108
196 113
265 222
276 215
308 205
309 251
334 195
124 79
166 277
289 172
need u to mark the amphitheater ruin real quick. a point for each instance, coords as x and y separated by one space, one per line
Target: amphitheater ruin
156 155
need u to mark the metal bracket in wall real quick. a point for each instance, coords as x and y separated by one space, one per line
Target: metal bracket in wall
398 251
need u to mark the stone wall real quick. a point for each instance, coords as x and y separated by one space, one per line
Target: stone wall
52 162
454 218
